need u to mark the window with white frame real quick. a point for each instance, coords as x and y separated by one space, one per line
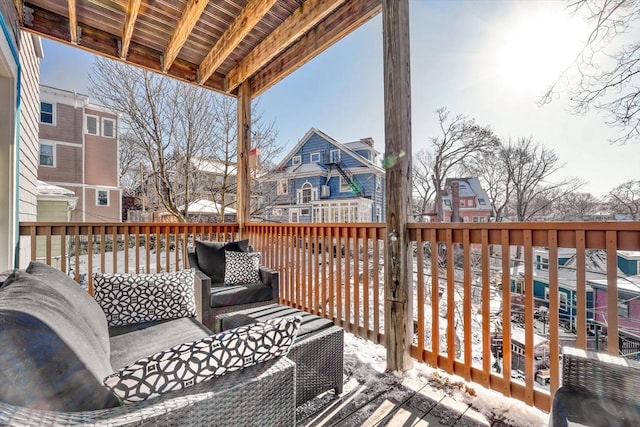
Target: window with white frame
482 202
306 193
562 298
623 308
283 187
378 214
276 212
475 219
378 184
108 128
465 219
296 160
47 113
47 155
305 211
344 185
461 203
315 157
447 202
335 156
470 203
92 125
544 263
102 197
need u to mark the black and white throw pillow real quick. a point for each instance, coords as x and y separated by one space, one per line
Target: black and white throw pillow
191 363
133 298
241 268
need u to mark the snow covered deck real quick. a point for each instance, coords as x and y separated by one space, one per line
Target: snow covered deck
422 396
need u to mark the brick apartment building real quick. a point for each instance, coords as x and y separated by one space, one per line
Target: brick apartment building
79 151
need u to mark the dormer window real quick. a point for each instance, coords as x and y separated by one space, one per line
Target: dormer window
482 202
296 160
315 157
335 156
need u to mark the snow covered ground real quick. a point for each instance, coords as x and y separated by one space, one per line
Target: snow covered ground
365 363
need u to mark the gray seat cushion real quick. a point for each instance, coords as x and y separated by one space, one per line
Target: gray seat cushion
211 259
223 296
83 303
50 357
132 342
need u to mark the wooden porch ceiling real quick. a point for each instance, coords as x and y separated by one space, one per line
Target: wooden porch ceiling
217 44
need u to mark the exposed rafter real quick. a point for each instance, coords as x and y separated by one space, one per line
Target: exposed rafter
301 21
129 24
341 22
73 22
237 31
19 7
187 21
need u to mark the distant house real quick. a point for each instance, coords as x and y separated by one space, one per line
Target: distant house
629 262
79 151
323 180
628 314
473 201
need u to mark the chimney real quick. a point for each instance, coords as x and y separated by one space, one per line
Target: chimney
455 202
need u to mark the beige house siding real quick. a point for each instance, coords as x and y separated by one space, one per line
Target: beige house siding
101 155
68 122
95 213
30 56
68 164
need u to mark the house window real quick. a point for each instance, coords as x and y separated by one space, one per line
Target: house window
46 113
483 219
47 157
475 219
562 297
482 201
462 203
335 156
623 309
92 125
447 202
470 203
305 211
344 185
544 263
306 192
296 160
283 187
378 184
378 214
466 219
276 212
315 157
102 198
108 128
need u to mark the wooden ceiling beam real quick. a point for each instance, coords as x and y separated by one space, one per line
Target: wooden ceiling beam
129 24
19 8
183 29
73 22
345 19
54 27
248 18
302 20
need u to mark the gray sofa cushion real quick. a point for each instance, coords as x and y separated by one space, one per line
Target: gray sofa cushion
211 258
222 296
50 358
84 305
132 342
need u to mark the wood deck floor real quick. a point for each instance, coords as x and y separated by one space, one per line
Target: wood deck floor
375 398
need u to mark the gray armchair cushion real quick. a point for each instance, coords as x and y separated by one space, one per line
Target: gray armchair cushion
86 307
223 296
49 358
211 259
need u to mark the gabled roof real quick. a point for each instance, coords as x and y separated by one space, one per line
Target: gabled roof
213 166
469 187
313 131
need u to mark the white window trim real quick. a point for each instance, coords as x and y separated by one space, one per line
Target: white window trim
279 188
292 213
296 160
105 119
335 159
86 125
344 184
305 211
317 155
98 190
53 145
378 184
276 212
53 113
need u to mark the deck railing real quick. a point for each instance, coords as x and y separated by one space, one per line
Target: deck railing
474 313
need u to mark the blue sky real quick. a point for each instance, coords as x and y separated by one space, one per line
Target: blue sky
487 59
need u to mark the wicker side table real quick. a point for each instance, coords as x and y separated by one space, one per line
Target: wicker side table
318 350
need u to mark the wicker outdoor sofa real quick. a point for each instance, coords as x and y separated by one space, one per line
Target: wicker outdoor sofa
597 390
56 350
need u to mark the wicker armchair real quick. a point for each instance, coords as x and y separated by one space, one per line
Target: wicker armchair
225 299
261 395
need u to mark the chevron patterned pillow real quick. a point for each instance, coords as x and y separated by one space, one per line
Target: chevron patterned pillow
194 362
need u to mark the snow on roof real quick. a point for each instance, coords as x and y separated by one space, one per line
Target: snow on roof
207 207
213 166
630 254
517 335
623 285
46 189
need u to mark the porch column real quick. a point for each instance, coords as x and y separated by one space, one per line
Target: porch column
397 126
244 145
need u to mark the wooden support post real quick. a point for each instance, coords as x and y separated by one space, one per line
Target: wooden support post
244 145
398 259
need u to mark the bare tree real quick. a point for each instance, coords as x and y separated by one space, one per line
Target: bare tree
575 206
491 170
608 73
529 167
625 199
422 184
460 139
